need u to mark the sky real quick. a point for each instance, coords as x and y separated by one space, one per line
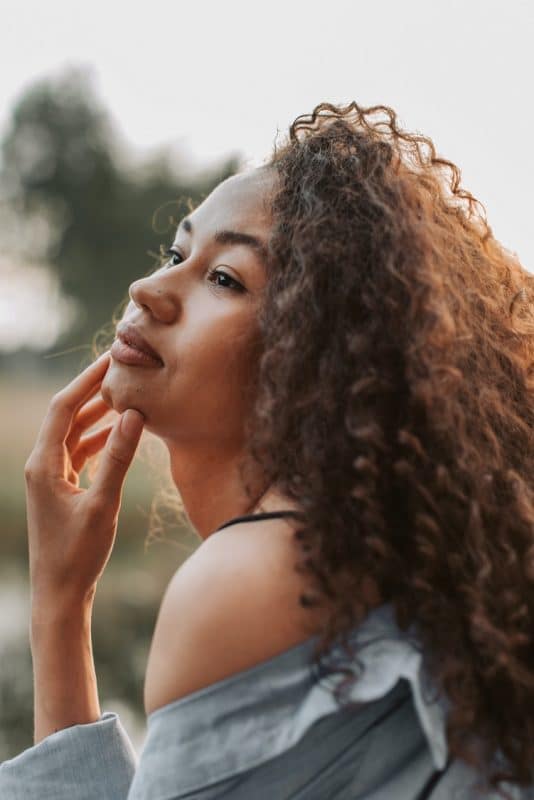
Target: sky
214 78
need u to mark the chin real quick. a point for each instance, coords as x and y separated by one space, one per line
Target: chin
117 394
106 390
120 393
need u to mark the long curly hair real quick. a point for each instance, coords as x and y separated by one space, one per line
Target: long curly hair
395 404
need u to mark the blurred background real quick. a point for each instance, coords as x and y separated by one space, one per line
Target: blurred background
114 121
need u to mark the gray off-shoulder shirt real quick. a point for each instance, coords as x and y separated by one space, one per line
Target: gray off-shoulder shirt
271 732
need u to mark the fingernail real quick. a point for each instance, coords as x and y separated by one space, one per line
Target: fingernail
131 421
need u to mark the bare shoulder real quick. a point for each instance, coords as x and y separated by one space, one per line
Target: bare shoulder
233 604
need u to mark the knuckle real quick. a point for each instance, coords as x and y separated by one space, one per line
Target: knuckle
60 401
35 467
56 400
31 468
55 407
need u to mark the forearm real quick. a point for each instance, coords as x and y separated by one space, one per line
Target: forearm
65 686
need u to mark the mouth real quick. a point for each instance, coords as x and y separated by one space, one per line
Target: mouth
131 348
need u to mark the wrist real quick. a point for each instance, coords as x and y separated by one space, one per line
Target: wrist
65 685
51 590
49 611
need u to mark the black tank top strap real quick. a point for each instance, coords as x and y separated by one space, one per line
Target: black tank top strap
261 515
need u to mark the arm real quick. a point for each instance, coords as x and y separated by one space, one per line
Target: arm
65 687
71 531
78 752
70 537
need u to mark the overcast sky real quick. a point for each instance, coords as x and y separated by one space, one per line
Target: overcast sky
222 77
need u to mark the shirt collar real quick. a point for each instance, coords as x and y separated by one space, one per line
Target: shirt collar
386 654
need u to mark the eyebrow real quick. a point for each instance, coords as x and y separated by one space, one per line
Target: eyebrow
232 237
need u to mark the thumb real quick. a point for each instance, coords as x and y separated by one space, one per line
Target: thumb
118 454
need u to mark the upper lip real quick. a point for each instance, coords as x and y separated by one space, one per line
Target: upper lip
128 333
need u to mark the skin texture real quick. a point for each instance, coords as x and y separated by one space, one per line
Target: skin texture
207 338
206 335
71 532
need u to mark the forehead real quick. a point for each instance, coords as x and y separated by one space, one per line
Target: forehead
242 203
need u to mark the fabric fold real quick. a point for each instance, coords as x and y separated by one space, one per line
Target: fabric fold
243 721
275 729
85 762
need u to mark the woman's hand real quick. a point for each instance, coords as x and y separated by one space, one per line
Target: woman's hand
71 531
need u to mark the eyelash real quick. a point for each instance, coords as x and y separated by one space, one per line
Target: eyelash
237 287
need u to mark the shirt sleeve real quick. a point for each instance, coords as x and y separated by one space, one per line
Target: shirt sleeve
273 730
85 762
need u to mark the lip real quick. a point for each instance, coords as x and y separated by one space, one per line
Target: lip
131 347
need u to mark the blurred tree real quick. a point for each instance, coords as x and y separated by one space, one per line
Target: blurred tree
70 202
95 222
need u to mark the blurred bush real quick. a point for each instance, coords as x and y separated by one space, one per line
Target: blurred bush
125 613
72 204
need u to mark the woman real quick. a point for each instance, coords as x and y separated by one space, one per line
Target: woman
338 357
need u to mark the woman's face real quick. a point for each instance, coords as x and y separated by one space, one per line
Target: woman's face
203 326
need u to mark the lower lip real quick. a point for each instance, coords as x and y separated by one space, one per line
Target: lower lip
126 354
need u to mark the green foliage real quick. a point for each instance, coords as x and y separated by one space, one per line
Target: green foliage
61 163
126 606
62 169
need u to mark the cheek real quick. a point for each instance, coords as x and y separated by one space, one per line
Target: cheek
223 351
208 381
216 375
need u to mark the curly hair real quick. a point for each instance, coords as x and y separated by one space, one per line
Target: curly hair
395 405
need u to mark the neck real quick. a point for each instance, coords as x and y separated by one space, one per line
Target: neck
210 485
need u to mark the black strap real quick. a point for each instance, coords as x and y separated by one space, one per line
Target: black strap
261 515
432 782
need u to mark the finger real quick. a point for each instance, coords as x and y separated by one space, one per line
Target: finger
117 457
92 412
88 446
65 404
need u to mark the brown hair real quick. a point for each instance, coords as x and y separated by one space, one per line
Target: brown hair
395 404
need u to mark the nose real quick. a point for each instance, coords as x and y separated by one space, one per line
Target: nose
149 295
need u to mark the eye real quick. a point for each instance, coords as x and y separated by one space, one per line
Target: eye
235 286
174 258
